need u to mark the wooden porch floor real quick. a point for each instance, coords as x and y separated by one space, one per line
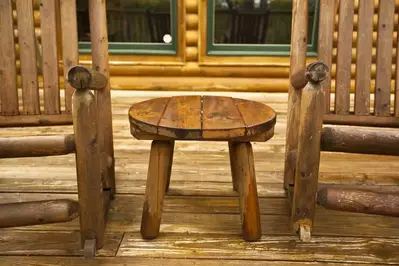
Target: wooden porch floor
201 222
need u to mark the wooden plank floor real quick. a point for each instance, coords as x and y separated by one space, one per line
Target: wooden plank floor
200 222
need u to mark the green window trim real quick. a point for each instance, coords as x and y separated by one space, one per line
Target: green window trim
254 49
137 48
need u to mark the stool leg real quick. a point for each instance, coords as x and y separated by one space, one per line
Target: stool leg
172 147
158 171
248 194
233 166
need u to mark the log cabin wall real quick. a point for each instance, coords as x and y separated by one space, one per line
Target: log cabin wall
192 67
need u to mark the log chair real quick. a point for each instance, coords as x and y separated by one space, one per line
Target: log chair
89 113
309 107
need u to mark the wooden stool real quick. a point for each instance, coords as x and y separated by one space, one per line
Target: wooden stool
208 118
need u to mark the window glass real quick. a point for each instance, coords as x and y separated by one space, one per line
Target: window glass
140 22
251 24
256 21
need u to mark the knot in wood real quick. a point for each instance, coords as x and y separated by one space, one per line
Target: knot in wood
316 72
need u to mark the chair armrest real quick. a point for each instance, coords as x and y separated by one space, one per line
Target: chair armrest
83 78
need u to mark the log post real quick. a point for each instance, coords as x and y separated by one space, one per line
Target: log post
299 33
353 200
99 47
366 141
38 212
90 189
35 146
308 156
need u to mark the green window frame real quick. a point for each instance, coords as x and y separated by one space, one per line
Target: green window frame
138 48
213 49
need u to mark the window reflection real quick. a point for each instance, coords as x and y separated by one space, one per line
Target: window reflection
138 21
256 21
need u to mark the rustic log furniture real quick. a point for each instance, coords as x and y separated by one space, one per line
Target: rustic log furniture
309 108
41 106
204 118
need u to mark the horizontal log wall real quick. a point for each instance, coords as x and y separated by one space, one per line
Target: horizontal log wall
197 71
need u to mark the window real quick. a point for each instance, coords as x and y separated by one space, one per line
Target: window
134 26
255 27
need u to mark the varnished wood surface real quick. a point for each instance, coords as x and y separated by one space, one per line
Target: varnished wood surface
29 71
357 56
8 75
200 201
201 118
51 86
364 58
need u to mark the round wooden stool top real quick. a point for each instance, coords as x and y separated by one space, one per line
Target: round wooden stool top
202 118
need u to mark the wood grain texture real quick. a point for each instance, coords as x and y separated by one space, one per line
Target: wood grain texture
201 201
50 243
233 166
157 181
70 49
31 146
308 157
51 85
244 172
83 78
363 58
127 205
183 116
344 49
362 120
325 43
100 63
221 118
297 69
8 74
384 61
144 115
37 212
27 43
123 261
372 250
171 150
354 200
367 141
30 120
255 116
202 118
88 171
385 181
396 103
211 158
291 145
184 214
299 41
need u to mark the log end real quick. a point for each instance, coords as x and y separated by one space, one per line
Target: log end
89 249
316 72
79 77
322 197
72 207
305 233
